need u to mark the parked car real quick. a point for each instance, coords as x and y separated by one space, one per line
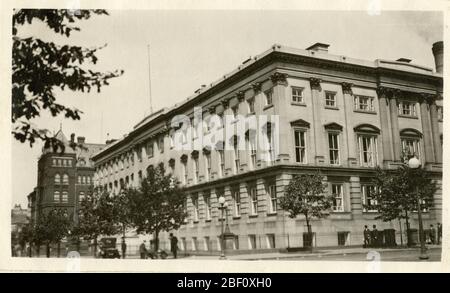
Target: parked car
108 248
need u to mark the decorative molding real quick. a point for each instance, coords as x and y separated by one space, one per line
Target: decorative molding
315 83
206 150
347 88
194 154
256 86
184 158
300 123
429 98
333 126
279 78
369 128
410 132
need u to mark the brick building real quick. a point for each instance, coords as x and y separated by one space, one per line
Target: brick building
64 178
335 114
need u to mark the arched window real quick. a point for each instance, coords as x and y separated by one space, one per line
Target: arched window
410 140
367 138
65 179
65 196
57 179
81 197
56 196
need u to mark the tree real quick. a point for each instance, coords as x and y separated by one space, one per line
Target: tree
52 227
158 204
305 195
96 217
39 67
122 211
398 193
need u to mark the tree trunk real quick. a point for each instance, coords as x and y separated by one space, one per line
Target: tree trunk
310 240
48 249
123 240
95 247
38 250
156 241
408 242
59 248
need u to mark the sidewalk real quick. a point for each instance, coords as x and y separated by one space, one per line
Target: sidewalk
317 252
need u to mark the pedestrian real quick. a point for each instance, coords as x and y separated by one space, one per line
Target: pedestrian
173 245
124 247
432 234
143 250
439 233
366 234
374 236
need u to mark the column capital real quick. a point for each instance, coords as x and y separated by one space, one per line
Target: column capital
226 102
315 83
240 96
347 88
256 86
426 98
279 78
212 109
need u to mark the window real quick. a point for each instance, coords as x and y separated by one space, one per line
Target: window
343 238
330 99
149 149
364 103
411 146
297 95
65 196
221 163
440 111
57 179
236 156
269 137
208 166
65 179
368 202
252 241
253 199
195 206
196 169
55 162
272 192
184 172
251 105
269 96
368 155
235 110
337 193
250 143
161 145
56 196
236 196
81 197
407 109
207 200
270 240
300 146
333 144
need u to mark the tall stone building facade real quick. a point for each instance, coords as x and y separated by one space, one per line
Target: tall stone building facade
334 114
64 177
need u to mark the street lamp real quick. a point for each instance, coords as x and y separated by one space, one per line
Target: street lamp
223 206
414 163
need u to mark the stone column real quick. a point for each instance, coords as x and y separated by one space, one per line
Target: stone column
282 138
259 109
240 131
435 129
228 155
426 130
396 143
319 142
348 133
387 143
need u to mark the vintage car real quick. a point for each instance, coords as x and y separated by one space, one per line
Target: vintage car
108 248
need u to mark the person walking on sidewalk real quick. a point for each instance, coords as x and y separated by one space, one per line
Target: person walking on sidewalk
173 245
432 234
143 250
374 236
439 233
366 234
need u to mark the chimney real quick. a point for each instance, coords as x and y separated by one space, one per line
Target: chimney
72 137
319 47
438 52
81 139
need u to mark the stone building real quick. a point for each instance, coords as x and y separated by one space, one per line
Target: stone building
64 177
334 114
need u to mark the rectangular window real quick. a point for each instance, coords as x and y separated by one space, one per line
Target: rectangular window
236 195
411 146
65 196
251 146
368 202
253 199
251 105
236 158
195 207
149 149
364 103
208 166
368 150
207 201
269 96
81 197
333 144
272 192
330 99
407 108
196 170
297 95
300 146
56 196
343 238
337 193
270 240
252 241
221 163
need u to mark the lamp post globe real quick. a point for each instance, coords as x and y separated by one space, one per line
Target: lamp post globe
414 163
222 200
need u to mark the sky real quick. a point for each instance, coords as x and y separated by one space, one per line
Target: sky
189 48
